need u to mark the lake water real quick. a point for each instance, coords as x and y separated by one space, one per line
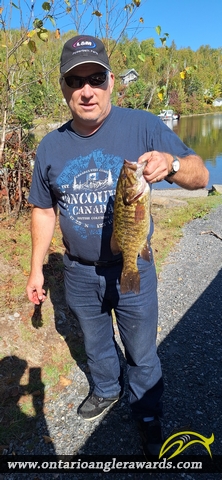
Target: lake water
203 133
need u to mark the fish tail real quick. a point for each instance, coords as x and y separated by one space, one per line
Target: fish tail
130 281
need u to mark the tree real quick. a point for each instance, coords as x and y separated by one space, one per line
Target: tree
135 95
25 73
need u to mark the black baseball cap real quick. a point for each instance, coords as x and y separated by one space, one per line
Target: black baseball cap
83 49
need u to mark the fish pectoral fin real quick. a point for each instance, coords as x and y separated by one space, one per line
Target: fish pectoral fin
145 253
130 281
114 245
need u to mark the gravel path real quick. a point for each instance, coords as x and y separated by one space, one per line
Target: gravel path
189 340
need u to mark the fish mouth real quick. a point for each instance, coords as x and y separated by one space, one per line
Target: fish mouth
135 165
134 191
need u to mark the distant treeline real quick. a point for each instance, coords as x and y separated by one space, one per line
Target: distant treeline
188 81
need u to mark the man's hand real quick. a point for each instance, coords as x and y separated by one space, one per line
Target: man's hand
35 292
42 228
157 167
191 175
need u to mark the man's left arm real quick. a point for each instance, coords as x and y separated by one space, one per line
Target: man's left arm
192 173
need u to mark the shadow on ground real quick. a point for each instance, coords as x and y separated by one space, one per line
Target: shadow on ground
21 406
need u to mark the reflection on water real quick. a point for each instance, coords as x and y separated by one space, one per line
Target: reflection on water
203 133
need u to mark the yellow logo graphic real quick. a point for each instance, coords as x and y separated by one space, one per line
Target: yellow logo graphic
184 440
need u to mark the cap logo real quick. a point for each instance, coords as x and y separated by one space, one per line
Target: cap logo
84 43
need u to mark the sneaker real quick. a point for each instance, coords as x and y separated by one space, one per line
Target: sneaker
94 406
152 437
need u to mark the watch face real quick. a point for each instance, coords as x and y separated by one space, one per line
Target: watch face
176 165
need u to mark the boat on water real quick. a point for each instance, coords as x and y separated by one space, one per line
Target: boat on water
168 115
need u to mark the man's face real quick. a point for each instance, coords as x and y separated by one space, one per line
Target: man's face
89 105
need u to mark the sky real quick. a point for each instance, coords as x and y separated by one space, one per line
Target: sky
189 23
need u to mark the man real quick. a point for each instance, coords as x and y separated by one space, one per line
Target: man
76 169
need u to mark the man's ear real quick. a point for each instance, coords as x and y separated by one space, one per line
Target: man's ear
111 81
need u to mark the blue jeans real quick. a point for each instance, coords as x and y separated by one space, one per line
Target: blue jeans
91 294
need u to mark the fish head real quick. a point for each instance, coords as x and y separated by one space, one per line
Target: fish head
132 180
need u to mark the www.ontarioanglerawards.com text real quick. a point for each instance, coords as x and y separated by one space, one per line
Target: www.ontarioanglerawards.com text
115 464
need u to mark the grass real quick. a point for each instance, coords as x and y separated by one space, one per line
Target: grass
34 354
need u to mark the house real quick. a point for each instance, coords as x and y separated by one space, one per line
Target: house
128 76
217 102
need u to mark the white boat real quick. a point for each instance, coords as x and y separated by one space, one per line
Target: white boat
162 114
168 115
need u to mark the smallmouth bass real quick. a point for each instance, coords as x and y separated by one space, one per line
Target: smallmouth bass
131 223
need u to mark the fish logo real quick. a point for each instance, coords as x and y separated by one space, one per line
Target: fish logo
184 440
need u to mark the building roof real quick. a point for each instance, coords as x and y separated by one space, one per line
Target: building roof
127 72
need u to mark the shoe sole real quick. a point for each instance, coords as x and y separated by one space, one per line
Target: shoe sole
98 414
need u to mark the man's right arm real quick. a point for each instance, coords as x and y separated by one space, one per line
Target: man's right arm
42 229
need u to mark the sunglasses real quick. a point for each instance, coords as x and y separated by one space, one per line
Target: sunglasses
94 80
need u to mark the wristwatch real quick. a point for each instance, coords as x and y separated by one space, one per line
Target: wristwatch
175 166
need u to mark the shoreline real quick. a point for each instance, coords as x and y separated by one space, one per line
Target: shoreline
179 192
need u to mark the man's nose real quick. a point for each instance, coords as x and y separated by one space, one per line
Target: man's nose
87 90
